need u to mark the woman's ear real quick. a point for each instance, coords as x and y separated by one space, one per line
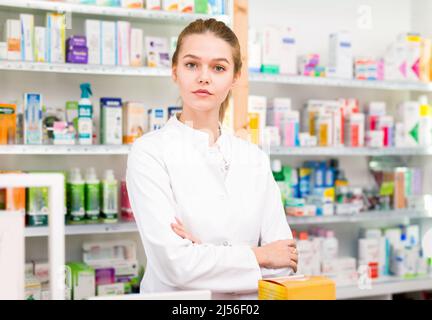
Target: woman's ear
174 73
236 79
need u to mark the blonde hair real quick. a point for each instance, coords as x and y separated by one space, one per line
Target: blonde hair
220 30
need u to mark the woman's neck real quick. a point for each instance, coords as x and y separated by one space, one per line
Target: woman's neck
204 121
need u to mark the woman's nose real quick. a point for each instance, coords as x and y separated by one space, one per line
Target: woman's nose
204 77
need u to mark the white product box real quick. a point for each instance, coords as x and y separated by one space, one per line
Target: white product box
186 6
254 51
271 136
132 4
271 49
376 108
306 140
137 47
153 4
123 33
108 42
13 39
157 118
114 289
413 54
395 61
93 35
374 138
409 113
56 37
341 55
40 44
369 251
157 52
3 50
170 5
27 37
111 121
288 61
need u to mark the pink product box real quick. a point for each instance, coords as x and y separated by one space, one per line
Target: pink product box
105 276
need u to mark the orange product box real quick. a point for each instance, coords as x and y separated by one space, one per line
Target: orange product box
297 287
14 198
7 123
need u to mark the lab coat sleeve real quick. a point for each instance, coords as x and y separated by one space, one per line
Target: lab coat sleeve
274 223
178 262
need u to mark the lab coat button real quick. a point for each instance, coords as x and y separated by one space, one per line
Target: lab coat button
225 243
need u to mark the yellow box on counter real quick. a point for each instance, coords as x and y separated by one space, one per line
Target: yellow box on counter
297 287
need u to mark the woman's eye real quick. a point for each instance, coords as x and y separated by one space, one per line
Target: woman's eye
219 68
190 65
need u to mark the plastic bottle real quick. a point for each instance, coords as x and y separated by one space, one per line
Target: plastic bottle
305 254
92 196
85 115
76 197
280 179
109 196
330 246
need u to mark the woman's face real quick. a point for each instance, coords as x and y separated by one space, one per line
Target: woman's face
204 72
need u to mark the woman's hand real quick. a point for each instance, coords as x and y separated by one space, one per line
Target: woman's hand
180 230
277 254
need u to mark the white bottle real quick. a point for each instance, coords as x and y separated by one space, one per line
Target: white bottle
305 254
330 246
109 197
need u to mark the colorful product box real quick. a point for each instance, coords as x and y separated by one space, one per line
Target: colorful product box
157 118
258 105
123 33
7 123
132 4
170 5
13 39
271 45
290 129
288 64
81 280
297 288
27 37
111 121
157 52
355 130
37 206
186 6
135 121
32 118
153 4
56 37
137 47
40 44
216 7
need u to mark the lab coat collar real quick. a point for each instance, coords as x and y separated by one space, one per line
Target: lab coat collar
198 136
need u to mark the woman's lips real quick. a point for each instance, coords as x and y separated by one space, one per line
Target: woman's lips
202 93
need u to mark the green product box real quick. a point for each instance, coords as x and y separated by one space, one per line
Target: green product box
81 279
201 6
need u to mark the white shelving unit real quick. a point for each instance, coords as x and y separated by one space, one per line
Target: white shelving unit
275 151
385 286
342 83
142 14
128 227
52 150
87 69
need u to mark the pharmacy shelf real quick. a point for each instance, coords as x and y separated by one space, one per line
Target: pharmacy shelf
349 151
83 69
361 217
385 286
331 82
129 227
64 150
121 227
274 152
81 9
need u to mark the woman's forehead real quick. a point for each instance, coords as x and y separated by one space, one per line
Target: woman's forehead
206 46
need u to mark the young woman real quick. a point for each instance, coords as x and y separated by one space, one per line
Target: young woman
207 207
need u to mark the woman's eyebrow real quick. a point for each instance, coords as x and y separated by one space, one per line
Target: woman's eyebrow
198 58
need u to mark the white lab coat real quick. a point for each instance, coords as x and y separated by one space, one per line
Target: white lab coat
170 174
